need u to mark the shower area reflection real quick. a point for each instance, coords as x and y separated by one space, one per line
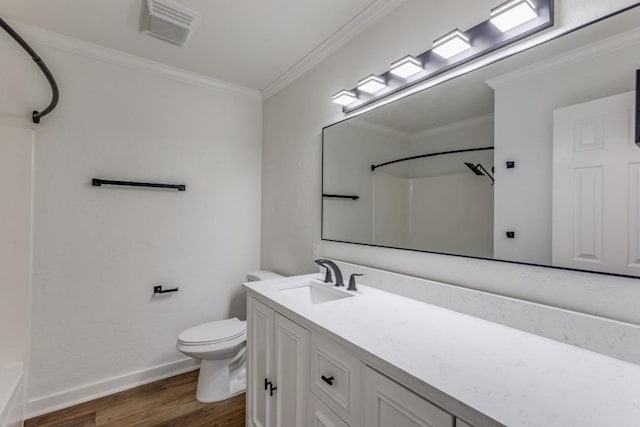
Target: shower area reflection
414 185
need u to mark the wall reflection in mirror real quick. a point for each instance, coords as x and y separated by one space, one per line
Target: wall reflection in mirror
531 159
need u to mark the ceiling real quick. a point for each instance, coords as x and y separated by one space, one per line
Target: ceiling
454 101
246 42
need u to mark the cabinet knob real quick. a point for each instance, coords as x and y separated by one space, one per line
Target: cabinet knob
327 380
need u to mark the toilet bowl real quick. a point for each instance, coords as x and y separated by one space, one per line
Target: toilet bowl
221 348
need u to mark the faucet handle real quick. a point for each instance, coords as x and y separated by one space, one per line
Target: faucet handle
327 277
352 282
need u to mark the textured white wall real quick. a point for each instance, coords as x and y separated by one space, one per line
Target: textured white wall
294 117
16 170
524 133
452 214
99 251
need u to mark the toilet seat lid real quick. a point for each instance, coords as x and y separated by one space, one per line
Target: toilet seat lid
220 330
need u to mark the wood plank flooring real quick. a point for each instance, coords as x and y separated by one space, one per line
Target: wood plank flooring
167 403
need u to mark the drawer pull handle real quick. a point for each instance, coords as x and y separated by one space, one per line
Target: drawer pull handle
327 380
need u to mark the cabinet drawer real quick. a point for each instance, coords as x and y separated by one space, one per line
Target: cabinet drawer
321 416
388 404
460 423
336 378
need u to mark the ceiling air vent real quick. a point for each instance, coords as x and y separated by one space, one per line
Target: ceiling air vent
168 21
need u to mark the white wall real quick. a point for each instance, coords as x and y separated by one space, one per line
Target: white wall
445 192
294 117
452 214
350 149
471 133
16 161
391 204
99 251
16 207
524 133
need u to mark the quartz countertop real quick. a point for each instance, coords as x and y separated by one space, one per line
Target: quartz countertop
471 367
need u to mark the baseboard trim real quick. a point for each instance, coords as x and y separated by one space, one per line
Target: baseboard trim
75 396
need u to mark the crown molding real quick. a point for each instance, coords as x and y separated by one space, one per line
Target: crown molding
383 130
64 43
411 137
462 124
348 32
594 50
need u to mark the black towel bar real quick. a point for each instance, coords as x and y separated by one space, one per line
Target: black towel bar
99 182
340 196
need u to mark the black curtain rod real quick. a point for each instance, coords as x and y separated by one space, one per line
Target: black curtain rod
466 150
55 96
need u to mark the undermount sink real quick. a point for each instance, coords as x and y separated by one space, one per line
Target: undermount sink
314 293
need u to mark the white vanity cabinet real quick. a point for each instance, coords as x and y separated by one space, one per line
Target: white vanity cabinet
321 416
277 369
388 404
297 378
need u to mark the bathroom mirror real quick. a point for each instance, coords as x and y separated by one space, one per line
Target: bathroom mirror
531 159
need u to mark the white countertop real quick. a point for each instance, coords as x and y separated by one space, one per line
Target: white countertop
513 377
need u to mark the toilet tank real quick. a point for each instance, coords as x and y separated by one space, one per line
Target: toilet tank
256 276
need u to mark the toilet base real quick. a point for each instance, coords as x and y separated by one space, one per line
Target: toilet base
218 381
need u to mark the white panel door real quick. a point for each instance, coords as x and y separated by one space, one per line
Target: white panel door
596 186
387 404
291 373
260 326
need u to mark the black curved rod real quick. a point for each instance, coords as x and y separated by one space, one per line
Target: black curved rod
466 150
37 115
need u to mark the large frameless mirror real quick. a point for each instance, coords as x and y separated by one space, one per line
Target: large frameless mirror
531 159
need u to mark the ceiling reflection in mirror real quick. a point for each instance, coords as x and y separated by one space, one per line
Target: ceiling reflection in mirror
531 159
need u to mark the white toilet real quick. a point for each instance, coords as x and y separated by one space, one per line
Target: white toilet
221 346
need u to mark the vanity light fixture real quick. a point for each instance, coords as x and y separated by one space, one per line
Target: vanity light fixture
372 84
512 14
406 67
344 97
510 22
451 44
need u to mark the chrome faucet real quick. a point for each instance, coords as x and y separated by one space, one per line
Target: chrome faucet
331 266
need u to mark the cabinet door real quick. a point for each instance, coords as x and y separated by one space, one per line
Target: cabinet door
387 404
260 406
291 372
321 416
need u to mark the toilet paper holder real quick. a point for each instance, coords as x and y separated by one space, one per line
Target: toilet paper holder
158 290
